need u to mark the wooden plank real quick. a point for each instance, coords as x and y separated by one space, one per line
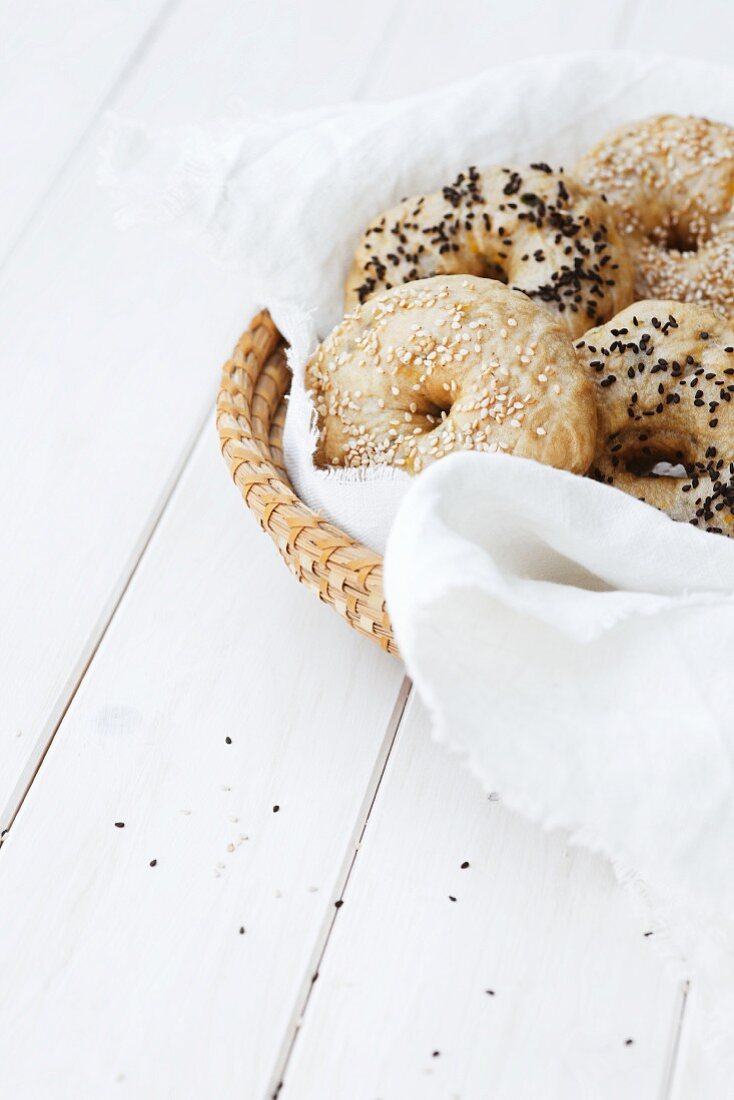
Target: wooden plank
529 984
59 62
111 348
642 27
468 37
115 971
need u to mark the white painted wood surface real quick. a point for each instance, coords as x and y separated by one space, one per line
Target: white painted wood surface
543 998
111 344
149 961
118 978
60 62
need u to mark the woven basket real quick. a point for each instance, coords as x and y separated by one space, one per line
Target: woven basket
250 417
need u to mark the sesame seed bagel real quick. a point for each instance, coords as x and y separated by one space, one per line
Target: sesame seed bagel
664 381
532 228
449 364
671 183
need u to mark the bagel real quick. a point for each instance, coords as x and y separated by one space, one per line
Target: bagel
670 181
448 364
664 380
532 228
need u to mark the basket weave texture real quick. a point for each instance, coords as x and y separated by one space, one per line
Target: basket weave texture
250 417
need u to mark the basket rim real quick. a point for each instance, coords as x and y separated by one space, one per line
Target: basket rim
250 415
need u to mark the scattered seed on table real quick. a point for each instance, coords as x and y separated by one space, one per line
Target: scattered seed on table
465 864
338 904
628 1042
228 740
436 1053
275 809
648 934
153 863
242 929
451 897
489 992
119 824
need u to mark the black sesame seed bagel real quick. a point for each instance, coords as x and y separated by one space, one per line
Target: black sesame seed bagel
532 228
449 364
671 183
664 375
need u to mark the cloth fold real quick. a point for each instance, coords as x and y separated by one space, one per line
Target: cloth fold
573 644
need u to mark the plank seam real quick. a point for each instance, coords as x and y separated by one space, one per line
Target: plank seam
324 938
12 808
669 1079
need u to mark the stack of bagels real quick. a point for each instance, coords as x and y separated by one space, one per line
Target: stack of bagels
581 320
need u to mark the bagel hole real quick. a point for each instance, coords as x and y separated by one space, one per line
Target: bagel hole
655 462
669 469
675 238
494 271
435 410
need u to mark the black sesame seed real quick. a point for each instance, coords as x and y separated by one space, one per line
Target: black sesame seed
153 863
228 740
465 864
275 809
119 824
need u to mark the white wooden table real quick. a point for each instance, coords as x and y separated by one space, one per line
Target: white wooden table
198 761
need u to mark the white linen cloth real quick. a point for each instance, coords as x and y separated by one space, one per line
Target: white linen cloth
573 642
574 645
